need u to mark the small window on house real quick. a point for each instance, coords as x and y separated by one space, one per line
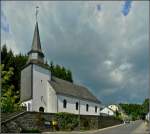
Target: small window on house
64 104
87 107
95 109
77 105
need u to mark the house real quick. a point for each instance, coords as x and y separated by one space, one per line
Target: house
114 107
148 116
117 108
40 91
107 112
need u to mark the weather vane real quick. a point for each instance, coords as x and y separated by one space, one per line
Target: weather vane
37 12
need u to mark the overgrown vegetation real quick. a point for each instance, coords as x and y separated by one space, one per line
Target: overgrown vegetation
30 131
136 111
9 98
118 115
40 119
86 124
67 121
60 72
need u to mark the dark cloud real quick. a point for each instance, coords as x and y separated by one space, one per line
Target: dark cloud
106 51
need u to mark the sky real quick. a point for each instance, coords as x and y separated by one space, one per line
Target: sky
104 43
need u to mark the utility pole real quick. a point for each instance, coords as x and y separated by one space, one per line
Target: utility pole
149 91
79 115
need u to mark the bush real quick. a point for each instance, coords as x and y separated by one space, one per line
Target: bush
40 119
67 121
30 131
86 124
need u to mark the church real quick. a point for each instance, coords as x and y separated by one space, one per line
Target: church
40 91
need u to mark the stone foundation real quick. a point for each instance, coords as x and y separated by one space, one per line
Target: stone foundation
36 120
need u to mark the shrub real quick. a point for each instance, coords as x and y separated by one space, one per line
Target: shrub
67 121
40 119
86 124
30 131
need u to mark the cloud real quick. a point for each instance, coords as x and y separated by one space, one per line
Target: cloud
4 23
106 51
99 7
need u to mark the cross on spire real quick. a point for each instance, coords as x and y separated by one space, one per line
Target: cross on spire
37 7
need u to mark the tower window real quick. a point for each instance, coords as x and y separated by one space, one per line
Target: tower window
95 109
64 103
77 105
87 107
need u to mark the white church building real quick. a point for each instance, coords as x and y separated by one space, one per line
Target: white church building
40 91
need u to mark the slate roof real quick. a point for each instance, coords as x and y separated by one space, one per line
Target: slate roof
36 43
67 88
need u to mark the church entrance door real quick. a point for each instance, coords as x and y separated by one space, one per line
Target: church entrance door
41 109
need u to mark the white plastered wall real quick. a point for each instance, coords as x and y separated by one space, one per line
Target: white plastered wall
41 76
28 105
71 106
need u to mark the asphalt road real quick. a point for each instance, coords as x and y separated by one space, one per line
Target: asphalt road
137 127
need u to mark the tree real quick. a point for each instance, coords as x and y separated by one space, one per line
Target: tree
6 75
146 105
14 61
134 110
60 72
69 76
8 99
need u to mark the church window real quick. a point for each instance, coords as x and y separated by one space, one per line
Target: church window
64 103
87 107
95 109
77 105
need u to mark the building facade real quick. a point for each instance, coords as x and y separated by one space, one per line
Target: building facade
40 91
114 107
107 112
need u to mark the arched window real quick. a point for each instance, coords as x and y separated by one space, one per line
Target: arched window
95 109
77 105
87 107
41 109
64 103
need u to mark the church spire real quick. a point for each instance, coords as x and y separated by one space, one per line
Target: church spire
36 54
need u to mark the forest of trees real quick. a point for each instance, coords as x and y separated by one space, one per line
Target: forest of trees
136 111
11 66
